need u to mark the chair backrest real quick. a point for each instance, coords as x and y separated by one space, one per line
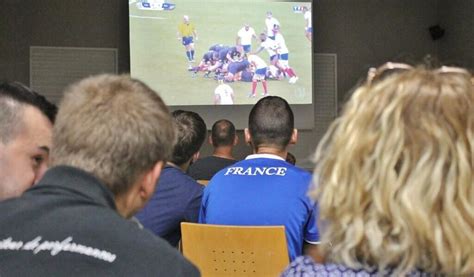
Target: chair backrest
222 250
203 182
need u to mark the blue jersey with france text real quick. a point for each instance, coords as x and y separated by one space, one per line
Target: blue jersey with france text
263 190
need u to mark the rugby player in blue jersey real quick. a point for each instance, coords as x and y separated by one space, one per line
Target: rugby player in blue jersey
208 59
226 55
235 68
217 47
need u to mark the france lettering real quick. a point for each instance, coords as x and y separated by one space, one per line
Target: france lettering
254 171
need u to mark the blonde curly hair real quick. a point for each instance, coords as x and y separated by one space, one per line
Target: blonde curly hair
395 175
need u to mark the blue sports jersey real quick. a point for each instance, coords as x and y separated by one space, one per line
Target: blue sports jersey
232 51
177 198
246 76
217 47
263 190
209 56
235 67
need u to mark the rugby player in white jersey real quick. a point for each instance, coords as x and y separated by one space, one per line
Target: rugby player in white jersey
270 21
223 94
283 55
245 36
309 23
260 73
272 48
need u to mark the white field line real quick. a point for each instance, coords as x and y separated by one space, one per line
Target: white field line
147 17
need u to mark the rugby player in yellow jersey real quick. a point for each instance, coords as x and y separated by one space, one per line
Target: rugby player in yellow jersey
187 33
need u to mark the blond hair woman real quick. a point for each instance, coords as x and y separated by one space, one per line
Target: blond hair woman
395 178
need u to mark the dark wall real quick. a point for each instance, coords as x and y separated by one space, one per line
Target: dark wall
457 45
362 33
367 33
82 23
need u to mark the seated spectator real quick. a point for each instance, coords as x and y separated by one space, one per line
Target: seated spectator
264 189
396 178
177 197
111 137
26 122
223 138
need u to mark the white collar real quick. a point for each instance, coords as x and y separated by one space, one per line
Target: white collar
266 156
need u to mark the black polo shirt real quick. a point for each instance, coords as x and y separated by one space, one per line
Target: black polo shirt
205 168
67 225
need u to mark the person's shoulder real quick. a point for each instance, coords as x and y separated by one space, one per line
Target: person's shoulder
204 159
222 172
299 170
186 180
303 266
202 162
306 266
174 177
299 175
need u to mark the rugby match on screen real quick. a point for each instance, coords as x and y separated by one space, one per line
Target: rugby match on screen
220 52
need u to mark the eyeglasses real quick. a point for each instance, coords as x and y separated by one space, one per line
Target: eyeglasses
377 74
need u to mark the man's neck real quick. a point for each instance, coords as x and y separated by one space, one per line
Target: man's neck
183 167
223 152
271 150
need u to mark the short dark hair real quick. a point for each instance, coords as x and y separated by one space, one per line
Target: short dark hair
271 122
223 133
191 132
13 97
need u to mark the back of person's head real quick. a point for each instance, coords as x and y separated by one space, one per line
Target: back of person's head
223 133
14 97
271 123
395 175
191 132
113 127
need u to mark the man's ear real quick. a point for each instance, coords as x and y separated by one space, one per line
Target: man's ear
236 140
147 188
196 156
209 139
247 136
294 136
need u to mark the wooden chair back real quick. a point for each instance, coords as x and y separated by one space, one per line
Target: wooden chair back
222 250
